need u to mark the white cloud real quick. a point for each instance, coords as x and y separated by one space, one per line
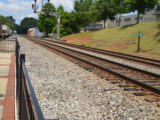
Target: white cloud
2 5
32 15
67 4
14 7
12 1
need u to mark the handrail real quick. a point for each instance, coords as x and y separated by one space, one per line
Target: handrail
29 108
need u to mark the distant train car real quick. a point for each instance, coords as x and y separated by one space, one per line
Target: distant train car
93 27
0 31
9 32
5 31
14 32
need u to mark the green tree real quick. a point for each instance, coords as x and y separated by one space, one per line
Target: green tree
18 28
73 22
103 10
26 23
121 7
7 21
46 21
141 6
82 10
12 19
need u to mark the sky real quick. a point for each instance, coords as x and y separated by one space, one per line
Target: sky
20 9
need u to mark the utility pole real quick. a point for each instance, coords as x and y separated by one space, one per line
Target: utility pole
58 26
139 37
42 3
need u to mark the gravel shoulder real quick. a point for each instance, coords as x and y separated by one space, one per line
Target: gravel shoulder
68 92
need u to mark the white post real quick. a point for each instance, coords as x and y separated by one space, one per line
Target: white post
58 27
42 3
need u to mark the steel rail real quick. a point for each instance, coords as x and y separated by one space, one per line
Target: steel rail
130 67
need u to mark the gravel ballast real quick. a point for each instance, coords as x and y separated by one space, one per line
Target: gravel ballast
68 92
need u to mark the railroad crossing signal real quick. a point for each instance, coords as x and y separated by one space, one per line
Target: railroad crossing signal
139 35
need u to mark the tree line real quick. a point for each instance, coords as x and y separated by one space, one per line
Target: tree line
90 11
103 10
25 24
85 12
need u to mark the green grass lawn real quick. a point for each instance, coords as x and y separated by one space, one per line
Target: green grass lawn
123 39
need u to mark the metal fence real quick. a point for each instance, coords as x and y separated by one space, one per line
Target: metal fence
7 45
29 108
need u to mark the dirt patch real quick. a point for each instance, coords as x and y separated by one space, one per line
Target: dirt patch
80 40
76 39
69 39
84 41
121 45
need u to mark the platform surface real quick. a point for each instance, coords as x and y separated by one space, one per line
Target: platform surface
7 86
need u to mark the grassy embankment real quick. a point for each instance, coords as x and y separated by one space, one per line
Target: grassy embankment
123 39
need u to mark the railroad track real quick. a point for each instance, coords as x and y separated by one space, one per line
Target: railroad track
136 59
145 80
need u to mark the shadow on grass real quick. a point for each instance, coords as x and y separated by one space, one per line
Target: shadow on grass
127 26
157 35
143 51
147 50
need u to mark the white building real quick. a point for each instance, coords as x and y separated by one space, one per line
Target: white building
35 32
